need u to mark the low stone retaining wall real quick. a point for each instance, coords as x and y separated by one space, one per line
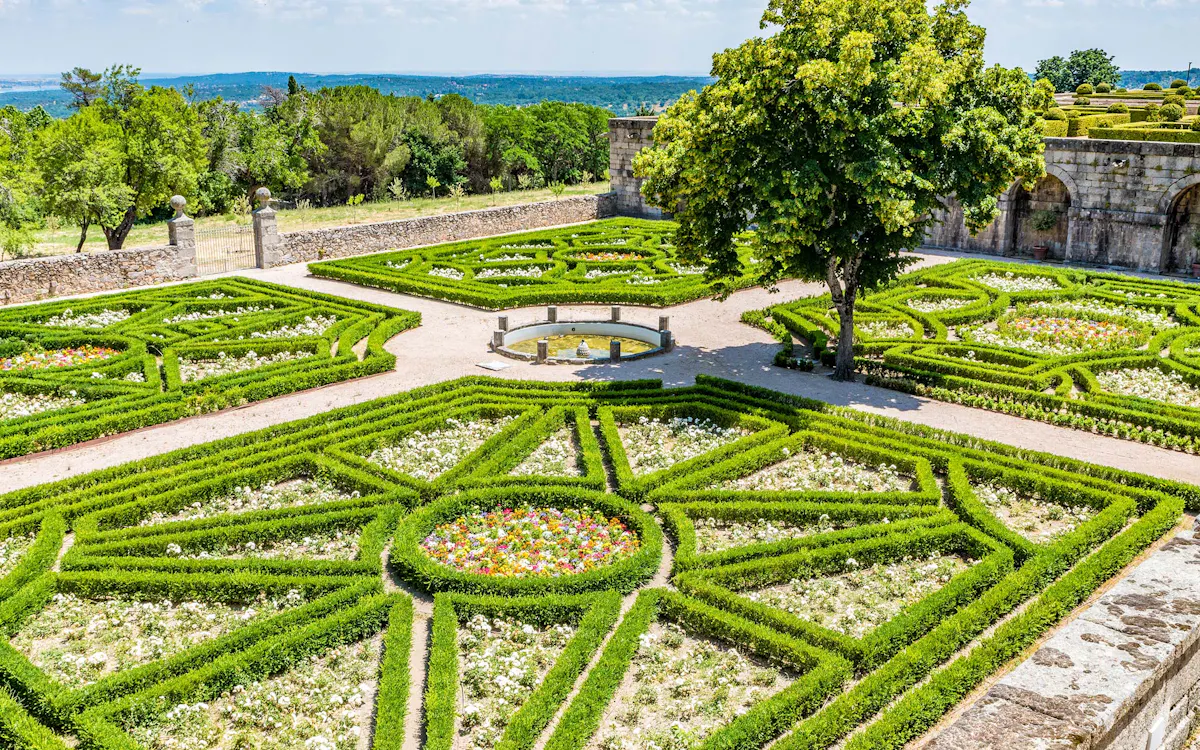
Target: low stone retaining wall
80 273
1123 675
339 242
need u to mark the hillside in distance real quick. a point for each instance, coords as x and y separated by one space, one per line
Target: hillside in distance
620 94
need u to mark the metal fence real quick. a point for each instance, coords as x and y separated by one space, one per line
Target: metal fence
228 248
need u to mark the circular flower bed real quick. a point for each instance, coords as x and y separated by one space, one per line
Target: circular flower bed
528 541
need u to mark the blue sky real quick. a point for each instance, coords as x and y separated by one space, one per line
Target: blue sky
549 36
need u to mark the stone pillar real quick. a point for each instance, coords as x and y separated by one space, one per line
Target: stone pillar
616 314
552 314
664 322
181 233
543 352
614 350
497 339
666 341
268 247
503 323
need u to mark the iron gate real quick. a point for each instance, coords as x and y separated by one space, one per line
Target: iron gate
228 248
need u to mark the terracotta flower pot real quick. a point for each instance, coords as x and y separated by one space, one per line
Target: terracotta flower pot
1040 251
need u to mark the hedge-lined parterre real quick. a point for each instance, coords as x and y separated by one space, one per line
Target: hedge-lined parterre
1112 354
611 261
79 369
829 566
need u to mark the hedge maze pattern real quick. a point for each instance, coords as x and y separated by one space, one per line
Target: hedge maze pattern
80 369
226 600
612 261
1112 354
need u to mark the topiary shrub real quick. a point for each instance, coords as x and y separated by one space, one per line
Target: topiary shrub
1173 99
1084 89
1118 108
1103 88
1082 101
1055 113
1196 124
1178 83
1171 112
1152 113
1152 87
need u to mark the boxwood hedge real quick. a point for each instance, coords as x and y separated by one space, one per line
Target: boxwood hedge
879 690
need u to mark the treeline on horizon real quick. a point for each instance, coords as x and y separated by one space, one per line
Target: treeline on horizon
126 148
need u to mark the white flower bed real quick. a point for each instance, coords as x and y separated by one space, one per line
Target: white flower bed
937 304
1033 518
135 377
529 246
334 545
883 329
323 703
511 258
1151 383
291 494
98 319
987 335
858 601
428 456
12 549
686 270
445 273
1154 318
643 281
718 535
78 641
558 456
518 272
193 317
502 661
310 326
16 405
225 364
811 470
600 273
680 689
1010 282
654 444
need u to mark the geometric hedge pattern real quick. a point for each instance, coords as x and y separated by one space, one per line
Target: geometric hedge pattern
80 369
1103 352
612 261
166 528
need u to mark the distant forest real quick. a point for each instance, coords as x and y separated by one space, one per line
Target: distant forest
1135 79
621 95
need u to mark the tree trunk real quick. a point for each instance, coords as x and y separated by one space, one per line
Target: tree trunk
82 238
843 289
844 367
116 235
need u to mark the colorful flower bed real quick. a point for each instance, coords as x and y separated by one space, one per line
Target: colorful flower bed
656 444
1072 347
524 541
558 266
41 359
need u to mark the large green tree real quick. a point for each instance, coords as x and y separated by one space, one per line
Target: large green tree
1054 69
838 139
1082 66
19 209
83 171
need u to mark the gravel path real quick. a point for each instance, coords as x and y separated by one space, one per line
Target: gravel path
711 339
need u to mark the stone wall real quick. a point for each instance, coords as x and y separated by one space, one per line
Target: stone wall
316 244
626 137
107 270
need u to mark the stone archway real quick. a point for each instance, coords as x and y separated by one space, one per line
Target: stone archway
1181 233
1030 207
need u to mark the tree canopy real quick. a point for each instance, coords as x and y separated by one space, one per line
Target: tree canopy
838 139
1082 66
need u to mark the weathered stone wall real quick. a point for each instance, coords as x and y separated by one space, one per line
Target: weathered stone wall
315 244
80 273
626 137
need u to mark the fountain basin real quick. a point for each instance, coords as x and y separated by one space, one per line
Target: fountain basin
637 341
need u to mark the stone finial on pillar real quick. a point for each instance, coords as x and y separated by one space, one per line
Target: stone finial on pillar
503 323
614 350
666 341
181 234
616 314
664 322
552 314
497 339
543 350
268 247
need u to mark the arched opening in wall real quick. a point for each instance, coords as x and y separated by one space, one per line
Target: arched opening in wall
1182 232
1042 217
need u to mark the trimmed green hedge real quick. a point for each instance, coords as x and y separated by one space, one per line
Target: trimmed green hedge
613 261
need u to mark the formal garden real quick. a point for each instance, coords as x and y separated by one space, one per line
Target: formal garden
1112 354
613 261
604 565
86 368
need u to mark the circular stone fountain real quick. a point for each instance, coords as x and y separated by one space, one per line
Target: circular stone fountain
580 342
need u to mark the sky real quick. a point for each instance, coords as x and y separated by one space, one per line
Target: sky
515 36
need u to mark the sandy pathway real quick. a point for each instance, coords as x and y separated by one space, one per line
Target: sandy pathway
712 340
